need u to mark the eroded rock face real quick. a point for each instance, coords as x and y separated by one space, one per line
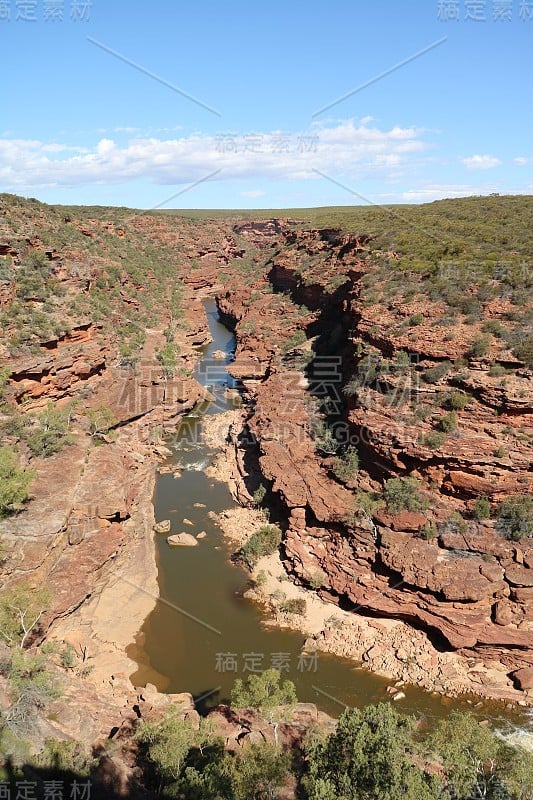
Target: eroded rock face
465 585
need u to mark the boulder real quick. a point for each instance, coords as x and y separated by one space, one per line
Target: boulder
163 526
523 678
182 540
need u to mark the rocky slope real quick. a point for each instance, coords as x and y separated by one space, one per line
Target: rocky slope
432 564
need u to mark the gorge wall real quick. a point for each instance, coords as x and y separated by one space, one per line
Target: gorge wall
434 563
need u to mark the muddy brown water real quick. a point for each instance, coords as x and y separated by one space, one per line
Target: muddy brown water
203 634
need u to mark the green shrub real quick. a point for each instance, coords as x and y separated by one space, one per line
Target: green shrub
481 509
479 346
345 466
448 422
167 743
524 351
456 523
167 357
294 605
101 419
494 327
66 756
295 341
434 440
477 763
428 532
366 503
259 495
416 319
262 542
14 482
437 373
370 756
497 371
264 692
458 400
317 579
402 494
515 517
20 611
49 432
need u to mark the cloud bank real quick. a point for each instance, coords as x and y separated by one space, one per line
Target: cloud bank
356 150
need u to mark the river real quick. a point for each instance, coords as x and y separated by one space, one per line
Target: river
203 634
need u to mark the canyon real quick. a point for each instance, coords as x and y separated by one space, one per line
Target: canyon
319 352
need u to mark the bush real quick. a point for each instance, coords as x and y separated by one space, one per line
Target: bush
345 466
259 495
497 371
416 319
294 605
437 373
262 542
20 612
434 440
448 422
481 509
370 755
479 346
458 400
49 434
14 482
295 341
167 743
515 517
167 357
524 351
264 692
428 532
479 764
317 579
367 503
101 419
455 523
402 494
259 772
66 756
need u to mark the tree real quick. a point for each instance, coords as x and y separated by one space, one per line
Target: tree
101 419
167 742
478 764
259 772
20 611
50 431
266 693
368 757
14 482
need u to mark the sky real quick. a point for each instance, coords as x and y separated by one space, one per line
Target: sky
275 105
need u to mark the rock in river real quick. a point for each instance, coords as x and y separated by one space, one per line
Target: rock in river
182 540
163 526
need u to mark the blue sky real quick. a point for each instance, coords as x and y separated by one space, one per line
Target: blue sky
80 124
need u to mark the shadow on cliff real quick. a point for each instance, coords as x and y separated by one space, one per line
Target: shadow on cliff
112 780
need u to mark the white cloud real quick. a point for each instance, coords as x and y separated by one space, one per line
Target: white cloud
253 193
481 162
354 150
522 162
427 194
